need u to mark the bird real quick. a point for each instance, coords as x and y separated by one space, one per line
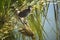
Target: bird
23 13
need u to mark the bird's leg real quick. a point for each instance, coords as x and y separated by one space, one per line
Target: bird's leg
24 21
21 20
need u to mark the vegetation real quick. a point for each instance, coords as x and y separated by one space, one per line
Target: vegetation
11 26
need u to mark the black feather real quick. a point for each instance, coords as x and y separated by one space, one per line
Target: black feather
25 12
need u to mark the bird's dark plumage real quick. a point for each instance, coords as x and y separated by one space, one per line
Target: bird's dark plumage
25 12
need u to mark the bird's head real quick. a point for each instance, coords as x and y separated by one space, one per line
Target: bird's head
30 7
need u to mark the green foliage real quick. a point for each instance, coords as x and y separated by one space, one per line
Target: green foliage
9 22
